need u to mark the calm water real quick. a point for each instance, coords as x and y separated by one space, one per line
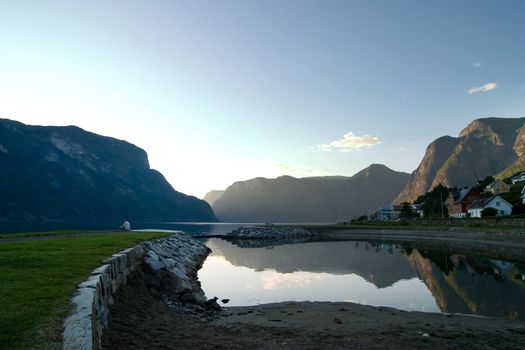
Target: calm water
194 228
367 273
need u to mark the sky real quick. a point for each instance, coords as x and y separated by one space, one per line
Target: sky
220 91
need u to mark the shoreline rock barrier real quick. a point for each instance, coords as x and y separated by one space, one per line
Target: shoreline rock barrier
174 261
270 232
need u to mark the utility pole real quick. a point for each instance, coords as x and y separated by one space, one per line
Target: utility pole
441 196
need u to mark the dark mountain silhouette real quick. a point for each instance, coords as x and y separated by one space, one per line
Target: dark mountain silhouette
486 147
311 199
68 174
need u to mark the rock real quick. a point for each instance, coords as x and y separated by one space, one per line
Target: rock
225 301
212 304
175 261
125 226
270 232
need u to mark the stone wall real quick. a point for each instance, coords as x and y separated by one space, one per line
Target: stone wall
270 232
503 221
175 260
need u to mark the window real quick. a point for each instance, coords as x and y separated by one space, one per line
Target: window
498 203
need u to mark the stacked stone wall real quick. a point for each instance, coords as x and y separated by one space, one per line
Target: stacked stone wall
175 260
83 328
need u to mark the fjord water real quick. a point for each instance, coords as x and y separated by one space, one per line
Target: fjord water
371 273
193 228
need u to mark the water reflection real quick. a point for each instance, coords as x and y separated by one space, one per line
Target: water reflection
382 268
473 284
366 272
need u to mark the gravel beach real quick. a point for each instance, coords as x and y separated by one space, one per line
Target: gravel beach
138 320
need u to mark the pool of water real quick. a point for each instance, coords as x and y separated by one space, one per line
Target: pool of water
371 273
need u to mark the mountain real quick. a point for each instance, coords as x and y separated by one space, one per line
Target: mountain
68 174
486 147
310 199
212 196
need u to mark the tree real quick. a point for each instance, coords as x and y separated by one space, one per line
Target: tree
421 199
406 210
484 183
434 206
514 195
489 212
518 208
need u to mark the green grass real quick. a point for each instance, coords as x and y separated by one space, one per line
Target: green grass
46 233
38 278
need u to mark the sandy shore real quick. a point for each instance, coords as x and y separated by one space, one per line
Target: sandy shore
140 320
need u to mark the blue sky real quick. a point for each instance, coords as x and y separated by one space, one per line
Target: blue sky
220 91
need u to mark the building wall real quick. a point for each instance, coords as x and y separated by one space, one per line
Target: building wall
475 213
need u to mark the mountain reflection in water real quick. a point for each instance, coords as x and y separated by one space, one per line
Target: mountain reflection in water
368 273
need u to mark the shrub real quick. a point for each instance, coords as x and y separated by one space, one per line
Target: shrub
488 212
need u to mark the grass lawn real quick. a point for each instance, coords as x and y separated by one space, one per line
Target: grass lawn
38 278
45 233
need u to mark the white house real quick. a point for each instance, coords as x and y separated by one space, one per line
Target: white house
502 206
518 178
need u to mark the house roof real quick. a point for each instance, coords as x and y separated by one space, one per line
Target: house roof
494 183
484 202
460 195
480 203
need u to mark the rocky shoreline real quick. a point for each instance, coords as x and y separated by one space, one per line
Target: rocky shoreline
166 266
270 232
148 314
170 267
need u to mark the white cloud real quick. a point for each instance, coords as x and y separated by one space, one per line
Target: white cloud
350 142
275 280
477 64
483 88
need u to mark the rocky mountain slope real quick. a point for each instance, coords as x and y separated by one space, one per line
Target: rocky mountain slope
312 199
68 174
486 147
212 196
